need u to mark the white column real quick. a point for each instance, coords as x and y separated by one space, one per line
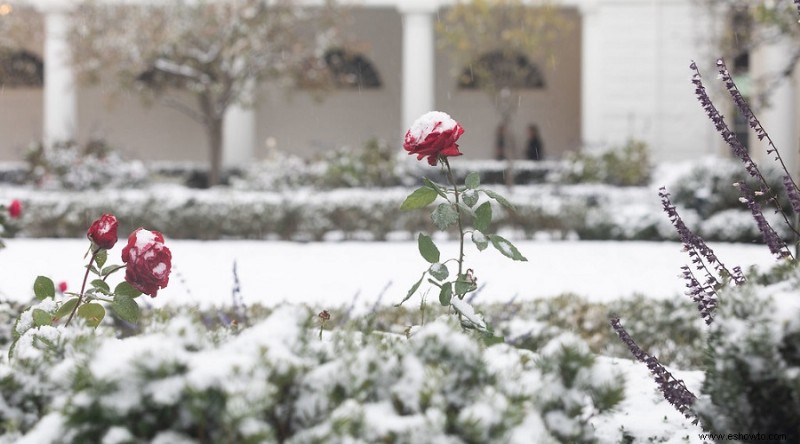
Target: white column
780 118
60 95
591 77
239 136
418 59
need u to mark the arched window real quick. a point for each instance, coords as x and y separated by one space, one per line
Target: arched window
351 70
21 69
501 69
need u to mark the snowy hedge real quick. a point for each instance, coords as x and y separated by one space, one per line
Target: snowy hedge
753 372
276 381
311 214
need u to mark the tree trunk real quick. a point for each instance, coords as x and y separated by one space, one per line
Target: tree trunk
505 103
213 123
214 132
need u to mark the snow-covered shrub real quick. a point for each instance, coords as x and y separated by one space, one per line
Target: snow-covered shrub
67 165
752 378
277 382
38 367
278 171
626 166
373 165
668 328
707 188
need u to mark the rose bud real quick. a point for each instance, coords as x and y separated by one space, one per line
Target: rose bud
103 232
148 260
62 287
433 135
15 209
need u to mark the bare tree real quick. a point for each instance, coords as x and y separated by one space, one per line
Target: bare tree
497 40
217 51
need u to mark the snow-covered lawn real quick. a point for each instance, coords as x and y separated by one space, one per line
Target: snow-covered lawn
333 273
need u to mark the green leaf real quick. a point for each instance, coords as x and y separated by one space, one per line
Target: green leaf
66 308
110 269
427 248
506 248
126 308
126 289
445 294
483 216
439 271
490 340
420 198
101 286
473 180
100 258
435 186
480 240
41 317
444 215
500 199
43 287
93 313
412 290
463 286
470 198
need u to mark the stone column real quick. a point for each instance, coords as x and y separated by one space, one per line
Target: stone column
239 136
591 77
60 90
418 59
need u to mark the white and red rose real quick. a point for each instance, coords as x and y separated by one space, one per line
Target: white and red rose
434 136
103 231
148 260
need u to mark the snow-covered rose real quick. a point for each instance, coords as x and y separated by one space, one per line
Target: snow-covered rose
103 231
148 261
433 135
15 209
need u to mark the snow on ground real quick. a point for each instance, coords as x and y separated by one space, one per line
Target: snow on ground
331 274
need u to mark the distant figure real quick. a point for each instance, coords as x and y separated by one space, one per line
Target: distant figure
500 142
535 147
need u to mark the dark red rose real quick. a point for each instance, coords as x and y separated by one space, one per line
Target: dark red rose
15 209
103 231
433 135
149 261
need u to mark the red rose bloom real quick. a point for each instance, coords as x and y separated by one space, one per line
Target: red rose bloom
149 261
103 231
433 135
15 209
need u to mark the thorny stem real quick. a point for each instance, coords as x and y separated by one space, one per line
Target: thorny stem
83 286
460 223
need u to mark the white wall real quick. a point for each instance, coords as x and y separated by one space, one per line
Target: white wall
639 84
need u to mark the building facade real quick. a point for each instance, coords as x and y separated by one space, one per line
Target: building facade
619 73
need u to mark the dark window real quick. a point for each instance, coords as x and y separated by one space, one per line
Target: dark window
21 69
502 70
351 70
741 34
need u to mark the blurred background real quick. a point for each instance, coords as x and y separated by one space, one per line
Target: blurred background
317 95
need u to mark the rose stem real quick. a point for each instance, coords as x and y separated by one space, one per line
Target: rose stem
458 212
83 286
